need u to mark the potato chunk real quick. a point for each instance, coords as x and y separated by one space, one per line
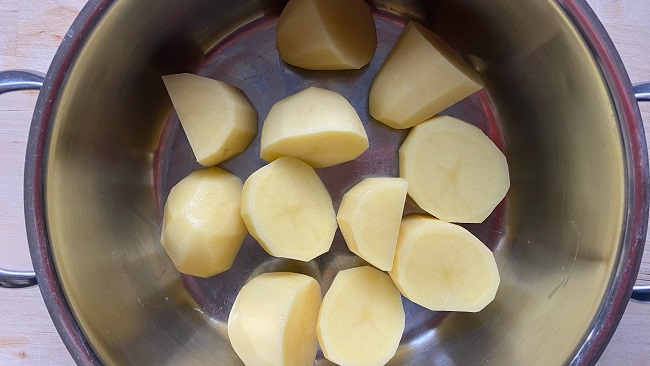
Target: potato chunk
455 172
361 320
273 320
443 267
217 118
202 230
317 126
288 210
326 34
369 217
421 77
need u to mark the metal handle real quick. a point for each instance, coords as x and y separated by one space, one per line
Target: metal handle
642 94
14 80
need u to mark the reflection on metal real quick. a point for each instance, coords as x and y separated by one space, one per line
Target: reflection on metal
14 80
574 215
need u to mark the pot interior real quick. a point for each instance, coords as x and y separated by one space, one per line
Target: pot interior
116 148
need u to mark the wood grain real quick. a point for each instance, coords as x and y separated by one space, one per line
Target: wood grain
30 32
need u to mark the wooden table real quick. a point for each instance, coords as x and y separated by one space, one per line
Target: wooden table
30 32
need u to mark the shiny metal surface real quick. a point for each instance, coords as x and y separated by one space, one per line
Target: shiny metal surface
14 80
641 293
105 151
642 92
17 279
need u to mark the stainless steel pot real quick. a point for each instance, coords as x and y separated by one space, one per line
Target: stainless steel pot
104 151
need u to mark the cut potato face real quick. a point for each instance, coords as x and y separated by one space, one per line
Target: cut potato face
421 77
326 34
455 172
317 126
217 118
288 210
202 230
338 263
443 267
273 320
361 320
369 217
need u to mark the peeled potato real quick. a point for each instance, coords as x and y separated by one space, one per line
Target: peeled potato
288 210
369 217
421 77
443 267
217 118
455 172
317 126
361 320
335 264
273 320
326 34
202 230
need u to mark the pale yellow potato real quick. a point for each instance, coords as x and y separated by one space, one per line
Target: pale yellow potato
361 320
455 172
326 34
337 263
288 210
273 320
317 126
369 217
202 230
421 77
217 118
443 267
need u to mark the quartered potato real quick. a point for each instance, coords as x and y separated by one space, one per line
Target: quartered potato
443 267
326 34
217 118
202 229
273 320
455 172
288 210
317 126
369 217
361 320
421 77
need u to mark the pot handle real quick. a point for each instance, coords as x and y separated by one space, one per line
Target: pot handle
13 80
642 94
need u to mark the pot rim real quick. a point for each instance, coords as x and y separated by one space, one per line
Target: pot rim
34 186
637 191
596 38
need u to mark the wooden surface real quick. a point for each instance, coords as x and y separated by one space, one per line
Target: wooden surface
30 32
